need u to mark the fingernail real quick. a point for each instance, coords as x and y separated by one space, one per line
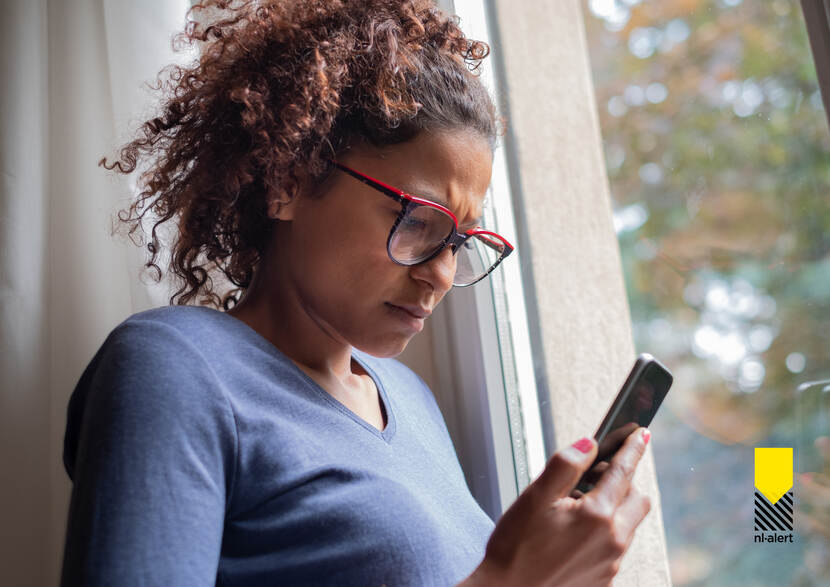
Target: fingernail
584 445
646 435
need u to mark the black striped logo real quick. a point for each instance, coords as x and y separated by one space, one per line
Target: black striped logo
773 517
774 494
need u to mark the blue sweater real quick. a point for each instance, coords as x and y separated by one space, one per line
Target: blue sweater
200 455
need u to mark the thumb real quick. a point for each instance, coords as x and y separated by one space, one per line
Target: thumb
565 467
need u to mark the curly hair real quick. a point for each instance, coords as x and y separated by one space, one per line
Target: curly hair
281 87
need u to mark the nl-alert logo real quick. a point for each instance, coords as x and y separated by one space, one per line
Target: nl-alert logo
773 495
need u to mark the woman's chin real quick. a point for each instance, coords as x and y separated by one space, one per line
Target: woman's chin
385 347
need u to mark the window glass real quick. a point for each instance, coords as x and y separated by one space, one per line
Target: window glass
718 155
506 290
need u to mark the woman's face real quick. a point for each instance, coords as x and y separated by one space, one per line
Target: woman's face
334 246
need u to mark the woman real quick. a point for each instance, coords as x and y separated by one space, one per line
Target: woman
278 442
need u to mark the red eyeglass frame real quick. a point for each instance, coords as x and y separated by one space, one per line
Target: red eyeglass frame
454 239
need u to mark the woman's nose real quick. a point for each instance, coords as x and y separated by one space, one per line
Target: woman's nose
438 272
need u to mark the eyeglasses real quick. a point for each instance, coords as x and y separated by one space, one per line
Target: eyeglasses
424 228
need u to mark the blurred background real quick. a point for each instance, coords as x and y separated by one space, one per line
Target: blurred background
718 155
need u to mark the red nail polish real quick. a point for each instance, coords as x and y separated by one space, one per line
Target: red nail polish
583 445
646 435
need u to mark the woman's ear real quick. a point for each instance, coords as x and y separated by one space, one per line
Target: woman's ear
281 206
282 199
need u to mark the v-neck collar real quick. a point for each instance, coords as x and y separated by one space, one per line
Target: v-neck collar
388 431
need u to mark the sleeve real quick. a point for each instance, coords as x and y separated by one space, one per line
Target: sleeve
153 468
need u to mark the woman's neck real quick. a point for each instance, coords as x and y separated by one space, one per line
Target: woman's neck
277 313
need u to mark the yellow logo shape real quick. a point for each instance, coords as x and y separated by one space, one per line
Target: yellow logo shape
773 472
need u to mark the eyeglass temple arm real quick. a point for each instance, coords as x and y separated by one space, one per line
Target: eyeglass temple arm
502 246
372 183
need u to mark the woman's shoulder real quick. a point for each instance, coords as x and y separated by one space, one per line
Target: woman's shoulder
211 333
177 346
156 349
183 319
148 377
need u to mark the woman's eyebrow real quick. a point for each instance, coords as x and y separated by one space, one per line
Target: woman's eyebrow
428 195
472 224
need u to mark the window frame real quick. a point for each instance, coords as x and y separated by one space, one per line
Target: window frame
817 18
493 409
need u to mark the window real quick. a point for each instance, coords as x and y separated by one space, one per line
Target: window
482 342
716 145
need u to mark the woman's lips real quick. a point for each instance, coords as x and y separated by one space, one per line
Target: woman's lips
414 309
414 321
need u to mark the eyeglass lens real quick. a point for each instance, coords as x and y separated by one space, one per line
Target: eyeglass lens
420 232
424 229
476 257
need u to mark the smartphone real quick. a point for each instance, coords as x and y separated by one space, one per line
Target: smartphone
635 405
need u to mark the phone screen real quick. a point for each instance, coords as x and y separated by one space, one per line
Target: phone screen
636 404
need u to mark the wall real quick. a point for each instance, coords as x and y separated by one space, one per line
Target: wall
568 241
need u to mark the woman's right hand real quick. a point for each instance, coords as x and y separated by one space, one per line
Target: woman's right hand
549 538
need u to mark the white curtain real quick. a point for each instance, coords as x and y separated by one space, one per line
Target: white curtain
72 76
